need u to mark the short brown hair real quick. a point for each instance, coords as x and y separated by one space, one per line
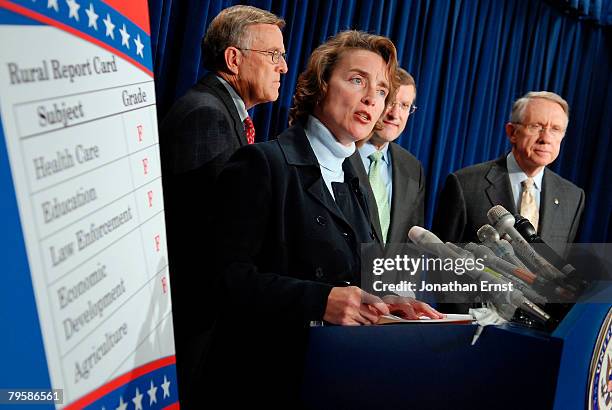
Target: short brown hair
405 78
229 28
312 83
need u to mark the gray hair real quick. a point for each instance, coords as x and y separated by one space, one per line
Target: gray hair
230 28
518 107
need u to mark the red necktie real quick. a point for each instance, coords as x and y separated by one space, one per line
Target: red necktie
249 129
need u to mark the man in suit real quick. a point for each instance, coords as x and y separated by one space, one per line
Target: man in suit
519 181
243 48
393 177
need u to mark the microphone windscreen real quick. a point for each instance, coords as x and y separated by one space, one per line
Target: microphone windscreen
496 213
421 235
525 228
487 233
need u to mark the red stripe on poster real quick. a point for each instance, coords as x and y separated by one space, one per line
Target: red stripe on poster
49 21
135 10
120 381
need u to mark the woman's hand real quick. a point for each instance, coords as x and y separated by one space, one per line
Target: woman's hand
352 306
409 308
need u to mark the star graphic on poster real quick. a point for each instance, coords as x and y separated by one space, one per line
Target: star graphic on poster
152 392
92 16
166 387
139 46
53 3
110 27
137 400
125 37
122 404
74 9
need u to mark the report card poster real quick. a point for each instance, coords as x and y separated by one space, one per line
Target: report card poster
85 296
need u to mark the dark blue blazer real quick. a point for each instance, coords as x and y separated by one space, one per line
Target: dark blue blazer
281 244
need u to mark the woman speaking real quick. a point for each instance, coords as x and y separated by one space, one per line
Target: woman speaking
290 223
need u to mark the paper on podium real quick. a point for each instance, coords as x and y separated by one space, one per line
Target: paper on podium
450 318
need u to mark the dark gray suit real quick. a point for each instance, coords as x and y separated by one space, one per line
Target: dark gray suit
408 195
201 131
470 192
199 134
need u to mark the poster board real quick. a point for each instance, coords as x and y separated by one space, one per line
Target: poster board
86 299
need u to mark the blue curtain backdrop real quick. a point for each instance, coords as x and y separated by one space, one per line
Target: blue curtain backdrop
470 59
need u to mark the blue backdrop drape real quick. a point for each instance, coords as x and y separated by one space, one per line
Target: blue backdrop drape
470 60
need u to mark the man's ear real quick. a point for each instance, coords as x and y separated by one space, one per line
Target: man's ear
233 58
510 128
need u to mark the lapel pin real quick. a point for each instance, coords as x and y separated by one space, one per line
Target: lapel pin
556 201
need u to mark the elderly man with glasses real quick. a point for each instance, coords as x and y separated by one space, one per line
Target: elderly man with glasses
393 177
519 181
244 52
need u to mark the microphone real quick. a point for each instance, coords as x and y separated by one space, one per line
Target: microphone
490 259
508 301
501 247
459 251
431 243
519 277
527 231
503 222
499 267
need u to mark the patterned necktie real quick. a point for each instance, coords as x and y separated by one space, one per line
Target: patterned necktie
380 191
249 129
529 207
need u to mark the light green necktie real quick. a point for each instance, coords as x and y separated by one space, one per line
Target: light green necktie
380 191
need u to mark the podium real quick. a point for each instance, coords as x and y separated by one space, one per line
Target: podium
434 366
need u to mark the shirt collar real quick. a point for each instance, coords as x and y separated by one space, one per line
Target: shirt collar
368 148
238 102
329 152
517 175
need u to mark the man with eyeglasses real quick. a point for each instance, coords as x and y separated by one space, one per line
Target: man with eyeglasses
243 49
393 177
519 181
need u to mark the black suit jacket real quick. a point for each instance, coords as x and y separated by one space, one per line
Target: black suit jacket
408 195
198 135
281 245
201 131
470 192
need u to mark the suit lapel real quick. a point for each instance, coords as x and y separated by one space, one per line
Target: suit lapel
220 91
549 203
320 193
499 191
357 164
404 191
297 151
350 175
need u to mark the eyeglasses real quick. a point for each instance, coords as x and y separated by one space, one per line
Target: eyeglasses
409 108
534 129
276 55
